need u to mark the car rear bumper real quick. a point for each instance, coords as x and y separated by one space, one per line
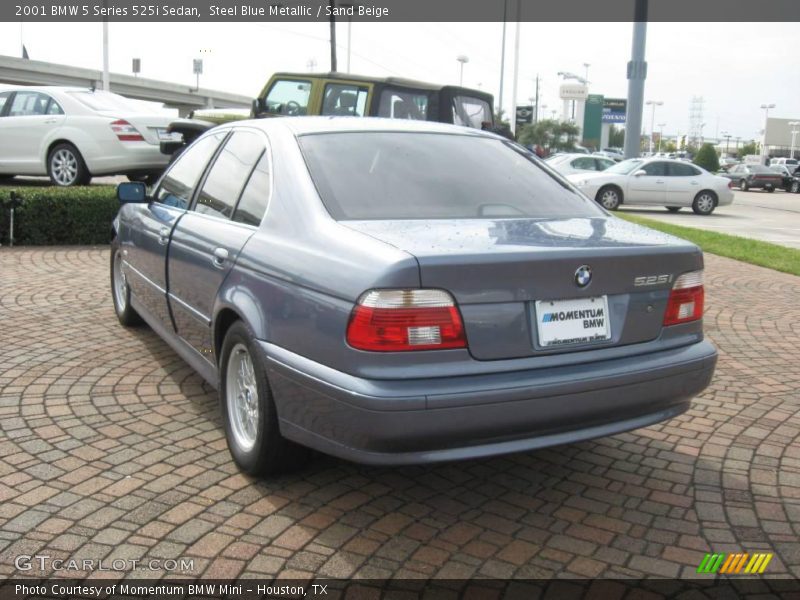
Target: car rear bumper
128 157
390 422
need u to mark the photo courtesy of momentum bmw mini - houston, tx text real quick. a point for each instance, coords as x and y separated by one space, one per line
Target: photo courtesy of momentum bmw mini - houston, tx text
458 299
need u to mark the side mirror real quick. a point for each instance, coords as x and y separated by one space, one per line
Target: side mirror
256 108
640 172
132 192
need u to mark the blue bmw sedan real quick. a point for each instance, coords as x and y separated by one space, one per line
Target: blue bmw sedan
395 292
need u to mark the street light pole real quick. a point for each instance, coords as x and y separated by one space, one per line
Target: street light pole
793 125
463 59
637 73
502 58
653 103
766 108
660 134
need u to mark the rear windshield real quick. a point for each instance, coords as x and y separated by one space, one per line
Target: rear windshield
396 175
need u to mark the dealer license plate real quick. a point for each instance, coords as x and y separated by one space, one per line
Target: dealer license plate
575 321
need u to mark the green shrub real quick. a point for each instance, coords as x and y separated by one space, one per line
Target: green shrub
707 158
54 216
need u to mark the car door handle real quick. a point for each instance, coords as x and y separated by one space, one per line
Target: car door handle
220 256
659 181
51 121
163 236
695 183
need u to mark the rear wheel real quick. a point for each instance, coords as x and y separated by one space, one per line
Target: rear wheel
704 203
65 166
248 410
673 209
795 187
743 185
120 291
609 197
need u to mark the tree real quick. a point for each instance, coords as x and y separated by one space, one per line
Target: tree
616 137
550 134
707 158
748 148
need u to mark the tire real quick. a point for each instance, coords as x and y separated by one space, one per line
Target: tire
743 185
795 187
65 166
148 179
770 189
609 197
673 209
704 203
248 411
6 178
120 292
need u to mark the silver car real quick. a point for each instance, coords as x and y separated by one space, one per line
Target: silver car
396 292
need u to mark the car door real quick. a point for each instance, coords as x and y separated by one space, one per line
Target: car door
207 240
683 183
649 187
148 226
23 130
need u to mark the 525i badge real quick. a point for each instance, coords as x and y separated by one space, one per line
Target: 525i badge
651 280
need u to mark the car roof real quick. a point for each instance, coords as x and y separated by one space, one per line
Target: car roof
48 89
311 125
398 81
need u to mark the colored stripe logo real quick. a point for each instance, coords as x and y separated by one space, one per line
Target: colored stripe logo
736 563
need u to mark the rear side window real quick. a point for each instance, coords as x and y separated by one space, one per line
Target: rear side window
471 112
3 99
583 163
229 174
394 175
678 170
399 104
345 100
27 104
253 204
179 182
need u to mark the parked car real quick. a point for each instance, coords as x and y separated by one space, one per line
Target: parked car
394 291
791 163
74 134
612 155
787 173
344 94
567 164
656 182
753 176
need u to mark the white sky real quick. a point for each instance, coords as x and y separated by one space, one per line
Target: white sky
735 67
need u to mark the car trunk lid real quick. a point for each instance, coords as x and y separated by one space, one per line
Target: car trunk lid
498 270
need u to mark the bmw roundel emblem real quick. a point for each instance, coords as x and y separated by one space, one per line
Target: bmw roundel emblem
583 276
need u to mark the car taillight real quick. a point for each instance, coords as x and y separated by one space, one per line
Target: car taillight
400 320
126 132
730 184
686 299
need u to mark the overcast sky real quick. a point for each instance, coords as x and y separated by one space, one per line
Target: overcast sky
735 67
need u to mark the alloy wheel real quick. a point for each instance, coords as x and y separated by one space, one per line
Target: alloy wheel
242 397
64 166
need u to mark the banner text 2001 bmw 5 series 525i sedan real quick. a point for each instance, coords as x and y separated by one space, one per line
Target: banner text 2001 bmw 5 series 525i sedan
398 292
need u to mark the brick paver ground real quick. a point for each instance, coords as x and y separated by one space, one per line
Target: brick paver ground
111 447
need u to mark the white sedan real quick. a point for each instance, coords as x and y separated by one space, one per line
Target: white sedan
656 182
72 134
568 164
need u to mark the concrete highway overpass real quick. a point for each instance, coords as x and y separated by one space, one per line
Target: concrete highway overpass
20 71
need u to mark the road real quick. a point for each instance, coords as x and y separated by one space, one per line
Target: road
111 448
759 215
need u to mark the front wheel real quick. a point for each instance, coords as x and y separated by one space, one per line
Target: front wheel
743 185
248 411
121 292
704 203
795 187
609 198
65 166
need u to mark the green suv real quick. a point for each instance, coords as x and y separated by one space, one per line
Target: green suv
341 94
